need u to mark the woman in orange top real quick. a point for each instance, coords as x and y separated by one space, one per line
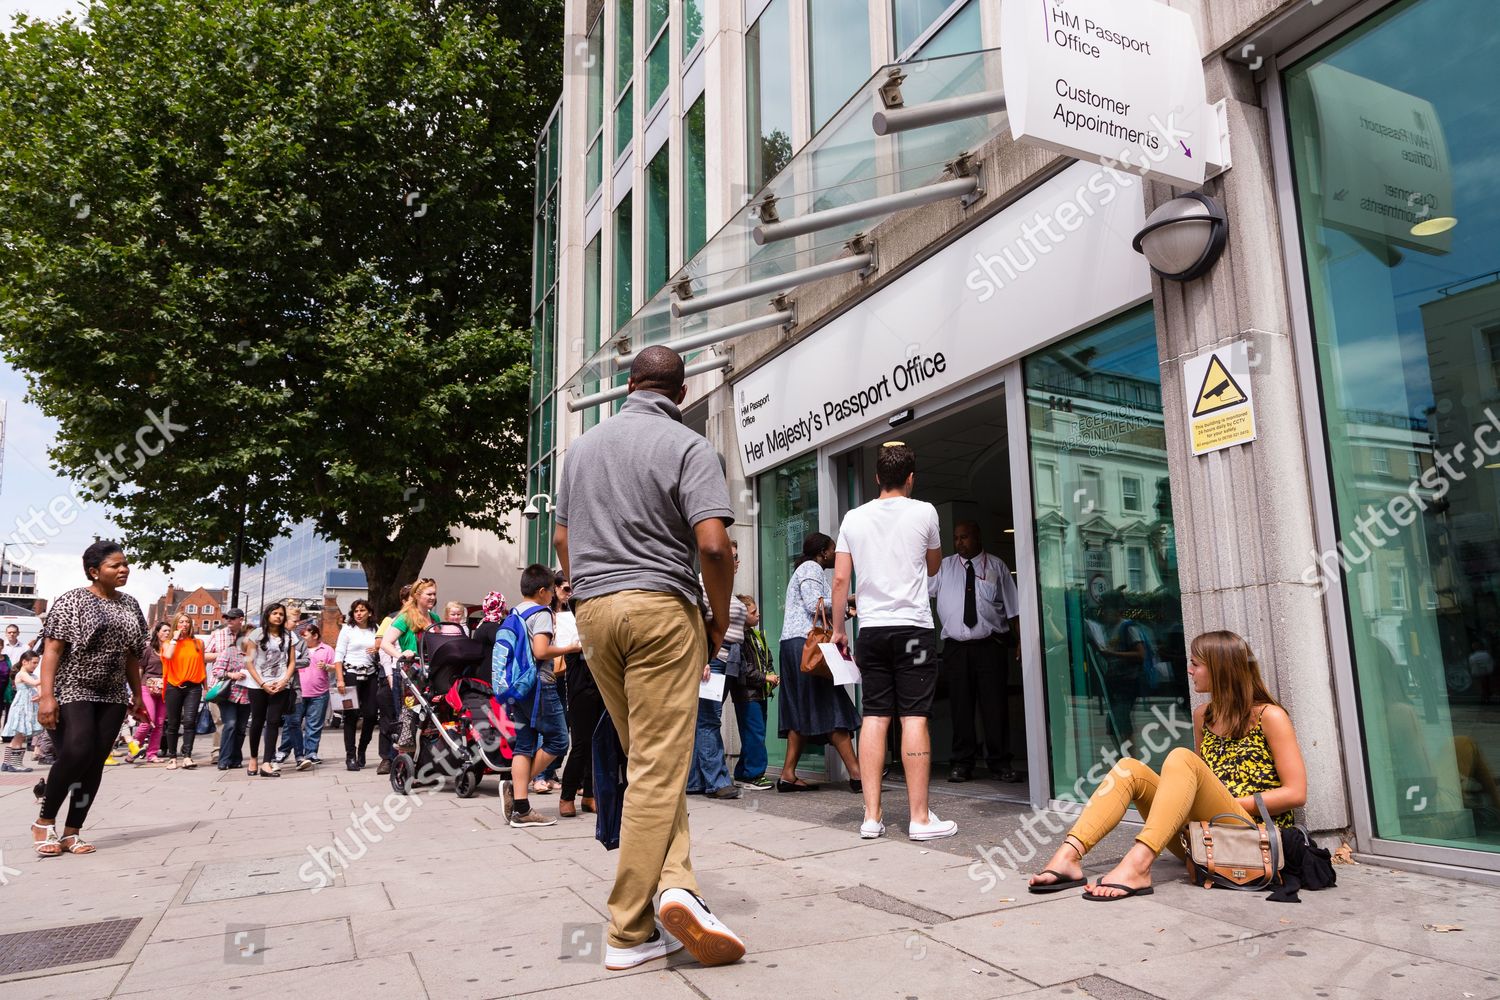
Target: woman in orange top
185 678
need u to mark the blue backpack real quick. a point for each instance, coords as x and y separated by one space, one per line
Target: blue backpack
513 673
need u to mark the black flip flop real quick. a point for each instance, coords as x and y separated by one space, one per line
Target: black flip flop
1063 882
1125 889
795 786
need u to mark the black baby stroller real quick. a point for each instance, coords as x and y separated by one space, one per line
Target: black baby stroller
461 730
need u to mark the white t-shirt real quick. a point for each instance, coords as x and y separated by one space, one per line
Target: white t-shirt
889 540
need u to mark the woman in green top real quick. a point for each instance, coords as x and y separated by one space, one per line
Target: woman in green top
400 638
1246 746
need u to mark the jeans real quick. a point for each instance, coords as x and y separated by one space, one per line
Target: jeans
549 728
709 771
291 730
751 716
234 719
314 714
182 717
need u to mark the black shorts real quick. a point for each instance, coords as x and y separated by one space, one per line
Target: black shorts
899 667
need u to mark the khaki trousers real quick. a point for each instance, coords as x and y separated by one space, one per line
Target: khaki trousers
1185 790
647 650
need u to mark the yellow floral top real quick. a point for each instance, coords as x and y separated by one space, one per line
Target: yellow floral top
1245 765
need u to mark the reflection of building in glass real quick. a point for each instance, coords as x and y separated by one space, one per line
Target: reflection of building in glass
297 568
1463 352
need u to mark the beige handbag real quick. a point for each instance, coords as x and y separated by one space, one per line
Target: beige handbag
1232 852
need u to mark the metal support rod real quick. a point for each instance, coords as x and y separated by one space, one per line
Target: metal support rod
951 109
770 232
769 286
717 335
584 402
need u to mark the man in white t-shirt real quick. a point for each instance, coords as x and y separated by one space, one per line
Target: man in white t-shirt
893 543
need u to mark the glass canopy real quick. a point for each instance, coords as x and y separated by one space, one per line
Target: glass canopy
844 163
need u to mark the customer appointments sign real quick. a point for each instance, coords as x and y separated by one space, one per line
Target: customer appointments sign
1220 410
1116 82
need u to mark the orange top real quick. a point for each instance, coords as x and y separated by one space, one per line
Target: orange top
185 665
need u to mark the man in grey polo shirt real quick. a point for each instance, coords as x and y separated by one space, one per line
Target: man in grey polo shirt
641 496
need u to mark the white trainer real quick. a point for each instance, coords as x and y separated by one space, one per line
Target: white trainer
660 945
870 829
933 829
687 917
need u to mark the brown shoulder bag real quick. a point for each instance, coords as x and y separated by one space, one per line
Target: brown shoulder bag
812 657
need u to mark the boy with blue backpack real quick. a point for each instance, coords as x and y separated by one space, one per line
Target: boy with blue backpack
524 682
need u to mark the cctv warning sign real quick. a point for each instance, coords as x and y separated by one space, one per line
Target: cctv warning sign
1220 410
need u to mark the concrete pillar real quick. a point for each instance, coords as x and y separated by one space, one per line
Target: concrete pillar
1244 516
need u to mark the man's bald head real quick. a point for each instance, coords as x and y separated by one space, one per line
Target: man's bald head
659 369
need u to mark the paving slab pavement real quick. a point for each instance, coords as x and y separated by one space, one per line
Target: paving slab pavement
254 888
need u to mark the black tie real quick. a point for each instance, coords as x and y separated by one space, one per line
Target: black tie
971 607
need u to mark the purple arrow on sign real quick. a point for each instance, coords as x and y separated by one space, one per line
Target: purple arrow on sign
1185 148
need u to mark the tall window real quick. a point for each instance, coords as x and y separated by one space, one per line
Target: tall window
1103 607
624 75
592 302
839 43
658 52
1398 221
1130 494
594 161
694 180
658 219
768 93
624 290
541 440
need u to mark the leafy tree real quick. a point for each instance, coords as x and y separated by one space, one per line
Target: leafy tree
298 233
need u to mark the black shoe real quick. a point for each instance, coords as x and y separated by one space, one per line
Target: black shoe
351 764
960 774
359 759
1010 774
856 786
281 758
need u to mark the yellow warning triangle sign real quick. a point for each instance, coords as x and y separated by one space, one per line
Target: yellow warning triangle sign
1220 391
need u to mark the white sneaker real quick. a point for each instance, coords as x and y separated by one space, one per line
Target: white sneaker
661 945
687 917
871 828
933 829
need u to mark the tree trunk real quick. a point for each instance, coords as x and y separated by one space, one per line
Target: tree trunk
386 573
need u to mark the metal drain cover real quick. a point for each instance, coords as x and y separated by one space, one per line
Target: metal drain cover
30 951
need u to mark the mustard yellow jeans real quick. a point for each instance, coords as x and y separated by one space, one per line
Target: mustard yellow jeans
1185 790
646 651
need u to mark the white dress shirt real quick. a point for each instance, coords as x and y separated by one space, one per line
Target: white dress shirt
995 596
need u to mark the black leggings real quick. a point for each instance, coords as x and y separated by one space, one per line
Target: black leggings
366 711
266 711
585 706
182 716
84 736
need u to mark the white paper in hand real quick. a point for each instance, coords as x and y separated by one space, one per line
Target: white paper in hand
844 670
713 688
341 702
565 627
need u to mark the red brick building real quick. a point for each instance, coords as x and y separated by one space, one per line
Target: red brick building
205 606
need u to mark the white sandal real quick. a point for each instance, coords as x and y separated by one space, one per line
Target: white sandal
51 840
79 845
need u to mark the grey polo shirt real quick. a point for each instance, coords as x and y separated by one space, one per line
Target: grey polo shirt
632 490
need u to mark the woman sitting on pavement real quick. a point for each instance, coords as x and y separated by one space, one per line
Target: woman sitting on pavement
1246 746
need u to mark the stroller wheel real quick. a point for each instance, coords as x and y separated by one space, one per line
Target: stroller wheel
403 773
466 783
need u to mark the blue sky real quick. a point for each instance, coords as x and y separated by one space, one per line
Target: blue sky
28 480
